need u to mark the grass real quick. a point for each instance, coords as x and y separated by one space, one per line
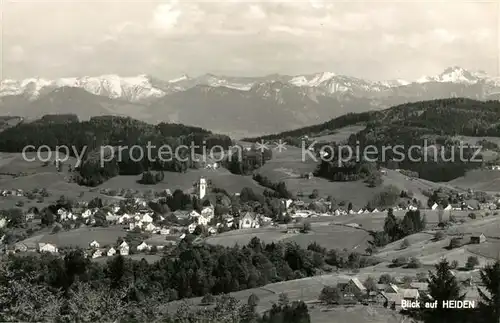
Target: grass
82 237
479 180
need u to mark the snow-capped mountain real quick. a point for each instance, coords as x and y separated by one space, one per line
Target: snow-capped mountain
143 88
456 74
135 89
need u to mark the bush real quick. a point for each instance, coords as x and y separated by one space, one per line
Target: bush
472 216
414 263
208 299
472 262
454 264
455 243
399 261
439 235
386 279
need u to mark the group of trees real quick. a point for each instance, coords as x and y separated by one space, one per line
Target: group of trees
112 131
279 188
395 229
187 271
351 170
244 162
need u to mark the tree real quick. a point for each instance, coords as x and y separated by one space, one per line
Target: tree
405 244
439 235
306 227
472 262
331 295
386 279
443 286
208 299
391 226
414 263
283 300
253 300
370 284
490 300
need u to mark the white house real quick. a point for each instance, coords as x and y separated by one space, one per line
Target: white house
194 214
94 244
212 230
150 227
87 213
147 218
124 218
165 231
434 206
192 227
3 222
124 248
448 207
111 252
97 254
143 246
47 247
249 220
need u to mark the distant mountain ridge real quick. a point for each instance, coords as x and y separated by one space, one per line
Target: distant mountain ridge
145 87
238 106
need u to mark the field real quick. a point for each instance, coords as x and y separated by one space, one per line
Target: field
339 135
328 236
220 178
479 180
81 237
288 166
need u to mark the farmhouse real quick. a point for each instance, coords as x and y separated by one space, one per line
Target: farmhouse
192 227
143 246
477 239
124 248
353 289
111 252
97 254
47 247
249 220
94 244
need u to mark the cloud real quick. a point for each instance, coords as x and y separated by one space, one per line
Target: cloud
372 39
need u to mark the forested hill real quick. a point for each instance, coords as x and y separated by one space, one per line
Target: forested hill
89 136
444 117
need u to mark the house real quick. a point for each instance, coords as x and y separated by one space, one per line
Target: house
124 218
212 230
434 206
164 231
248 220
20 247
32 212
111 252
143 246
47 247
146 218
293 228
94 244
194 214
192 227
477 239
124 248
353 289
97 254
181 215
410 294
448 207
207 214
3 222
150 227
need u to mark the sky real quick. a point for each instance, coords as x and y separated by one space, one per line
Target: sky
370 39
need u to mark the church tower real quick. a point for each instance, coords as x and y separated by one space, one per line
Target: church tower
202 188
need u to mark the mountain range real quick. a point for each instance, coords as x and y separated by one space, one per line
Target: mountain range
239 106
